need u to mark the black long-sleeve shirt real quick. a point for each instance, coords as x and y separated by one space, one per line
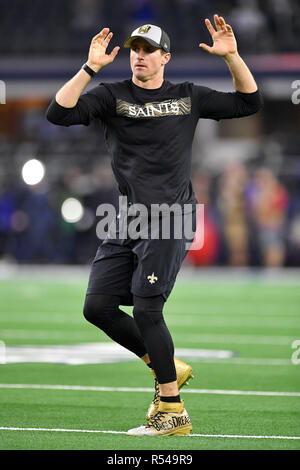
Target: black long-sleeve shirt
149 133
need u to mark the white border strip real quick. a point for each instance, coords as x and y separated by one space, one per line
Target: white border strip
234 436
144 389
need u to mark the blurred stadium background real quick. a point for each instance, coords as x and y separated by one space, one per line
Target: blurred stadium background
52 179
247 171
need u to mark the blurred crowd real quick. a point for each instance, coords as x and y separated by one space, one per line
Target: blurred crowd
64 27
251 208
250 217
252 200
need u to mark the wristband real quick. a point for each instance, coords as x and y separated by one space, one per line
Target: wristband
88 70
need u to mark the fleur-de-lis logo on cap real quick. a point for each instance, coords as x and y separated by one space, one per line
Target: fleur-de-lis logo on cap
144 29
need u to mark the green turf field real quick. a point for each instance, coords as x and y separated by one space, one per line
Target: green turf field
248 401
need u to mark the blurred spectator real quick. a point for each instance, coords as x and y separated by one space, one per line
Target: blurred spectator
269 202
85 23
231 203
141 11
7 206
95 187
250 26
208 253
294 240
86 15
33 224
105 191
281 20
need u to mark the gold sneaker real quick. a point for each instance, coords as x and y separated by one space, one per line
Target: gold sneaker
184 373
171 419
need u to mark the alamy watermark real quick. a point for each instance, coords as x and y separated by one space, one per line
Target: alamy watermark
296 94
2 92
157 222
296 353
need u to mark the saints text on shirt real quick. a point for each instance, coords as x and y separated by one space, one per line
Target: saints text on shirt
173 107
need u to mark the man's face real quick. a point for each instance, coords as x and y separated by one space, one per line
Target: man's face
146 61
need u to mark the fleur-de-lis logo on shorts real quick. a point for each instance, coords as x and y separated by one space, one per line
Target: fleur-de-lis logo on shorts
152 279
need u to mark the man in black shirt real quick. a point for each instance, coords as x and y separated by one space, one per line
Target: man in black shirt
149 125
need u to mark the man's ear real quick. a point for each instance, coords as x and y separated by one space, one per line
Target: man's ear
165 58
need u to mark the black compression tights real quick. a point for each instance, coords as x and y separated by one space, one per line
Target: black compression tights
145 333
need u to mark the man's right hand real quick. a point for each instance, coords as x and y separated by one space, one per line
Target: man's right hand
97 58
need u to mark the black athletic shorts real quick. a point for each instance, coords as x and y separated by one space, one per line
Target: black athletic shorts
144 267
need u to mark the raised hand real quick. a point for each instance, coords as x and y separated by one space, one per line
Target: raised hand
97 57
224 42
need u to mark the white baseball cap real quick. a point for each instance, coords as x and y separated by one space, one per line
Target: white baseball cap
154 35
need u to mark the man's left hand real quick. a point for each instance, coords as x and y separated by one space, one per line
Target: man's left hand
224 42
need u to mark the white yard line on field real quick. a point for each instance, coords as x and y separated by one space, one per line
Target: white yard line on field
144 389
244 437
234 436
